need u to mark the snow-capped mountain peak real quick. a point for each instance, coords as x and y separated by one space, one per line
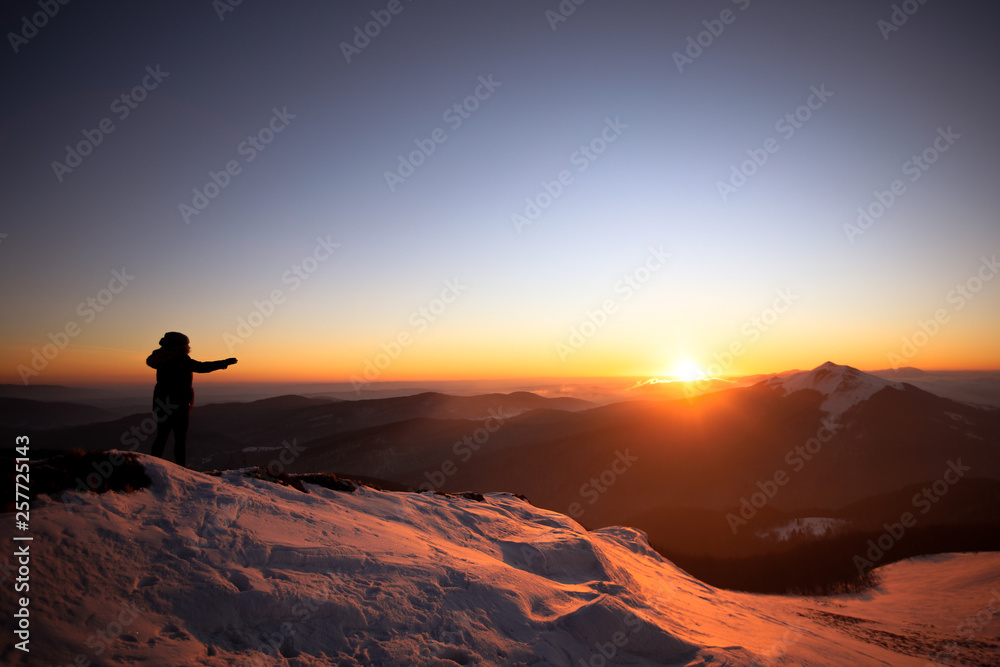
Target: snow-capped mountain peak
843 386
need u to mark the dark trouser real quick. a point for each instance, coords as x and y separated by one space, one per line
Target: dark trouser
176 423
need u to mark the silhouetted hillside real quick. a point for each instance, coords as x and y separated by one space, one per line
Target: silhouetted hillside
25 413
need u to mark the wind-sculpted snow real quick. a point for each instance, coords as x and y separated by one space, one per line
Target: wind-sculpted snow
232 570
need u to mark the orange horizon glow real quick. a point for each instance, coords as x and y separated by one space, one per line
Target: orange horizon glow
79 365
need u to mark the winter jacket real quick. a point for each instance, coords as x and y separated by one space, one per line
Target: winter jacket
174 374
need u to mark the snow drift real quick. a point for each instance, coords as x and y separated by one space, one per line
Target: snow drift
232 570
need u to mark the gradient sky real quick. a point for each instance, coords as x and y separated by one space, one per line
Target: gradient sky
516 292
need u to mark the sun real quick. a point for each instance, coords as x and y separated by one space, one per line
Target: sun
686 370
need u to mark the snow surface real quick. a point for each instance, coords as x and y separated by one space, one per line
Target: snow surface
843 386
232 570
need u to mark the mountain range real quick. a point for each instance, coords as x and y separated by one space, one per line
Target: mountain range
717 475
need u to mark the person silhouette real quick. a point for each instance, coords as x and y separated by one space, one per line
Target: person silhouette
173 394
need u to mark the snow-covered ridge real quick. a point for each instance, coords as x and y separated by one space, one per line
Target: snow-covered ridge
233 570
843 386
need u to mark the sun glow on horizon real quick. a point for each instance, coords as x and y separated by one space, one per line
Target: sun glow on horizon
686 370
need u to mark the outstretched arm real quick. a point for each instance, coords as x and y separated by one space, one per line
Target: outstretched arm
209 366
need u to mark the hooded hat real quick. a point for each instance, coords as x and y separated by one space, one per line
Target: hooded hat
174 339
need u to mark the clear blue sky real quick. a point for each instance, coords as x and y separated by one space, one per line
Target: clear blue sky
664 132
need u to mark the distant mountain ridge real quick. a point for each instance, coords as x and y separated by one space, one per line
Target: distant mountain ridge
710 453
227 434
842 386
26 413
